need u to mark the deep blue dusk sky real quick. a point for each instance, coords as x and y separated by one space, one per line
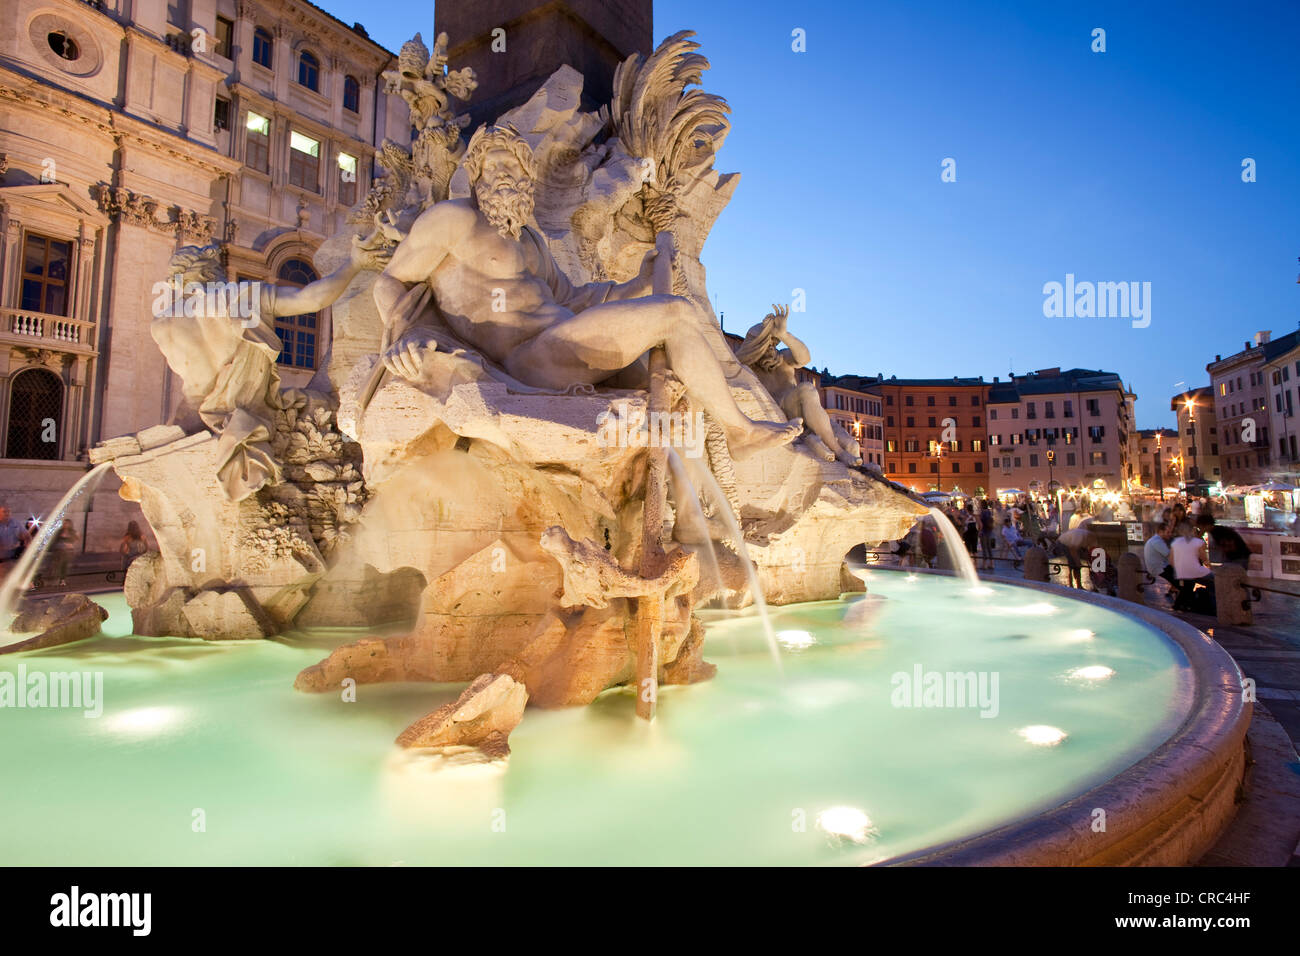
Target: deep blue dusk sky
1115 166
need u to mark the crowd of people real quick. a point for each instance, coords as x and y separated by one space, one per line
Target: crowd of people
993 530
1176 556
15 539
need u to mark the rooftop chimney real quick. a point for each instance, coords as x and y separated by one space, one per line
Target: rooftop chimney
1262 337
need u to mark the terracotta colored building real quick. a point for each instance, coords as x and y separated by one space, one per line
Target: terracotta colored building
935 430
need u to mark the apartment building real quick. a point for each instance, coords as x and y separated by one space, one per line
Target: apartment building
1054 429
859 412
1153 458
129 128
1240 392
935 431
1282 376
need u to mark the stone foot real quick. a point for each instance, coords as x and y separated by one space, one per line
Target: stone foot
818 448
762 435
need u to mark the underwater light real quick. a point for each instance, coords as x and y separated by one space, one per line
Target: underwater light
848 823
1041 735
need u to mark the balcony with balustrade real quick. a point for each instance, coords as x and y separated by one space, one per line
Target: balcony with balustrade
40 330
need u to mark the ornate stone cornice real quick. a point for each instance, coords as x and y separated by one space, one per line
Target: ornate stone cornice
122 205
110 125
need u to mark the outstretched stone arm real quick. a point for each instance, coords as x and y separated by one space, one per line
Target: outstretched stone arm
323 292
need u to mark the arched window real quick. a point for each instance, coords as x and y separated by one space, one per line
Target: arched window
308 70
262 47
35 415
351 94
297 332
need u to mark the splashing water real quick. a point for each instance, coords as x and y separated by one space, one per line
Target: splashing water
957 553
703 479
21 577
689 507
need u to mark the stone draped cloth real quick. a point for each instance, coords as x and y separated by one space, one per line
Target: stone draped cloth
228 369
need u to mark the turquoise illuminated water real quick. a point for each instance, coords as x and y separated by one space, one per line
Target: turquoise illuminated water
205 753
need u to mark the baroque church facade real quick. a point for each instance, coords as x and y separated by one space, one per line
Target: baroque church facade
130 128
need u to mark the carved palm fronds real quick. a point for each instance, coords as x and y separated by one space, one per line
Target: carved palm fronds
655 117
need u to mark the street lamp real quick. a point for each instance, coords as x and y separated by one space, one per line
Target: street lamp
1160 475
1191 421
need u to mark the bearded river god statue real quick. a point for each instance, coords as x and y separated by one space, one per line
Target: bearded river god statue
497 287
453 474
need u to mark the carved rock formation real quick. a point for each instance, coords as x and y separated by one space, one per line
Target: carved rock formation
54 621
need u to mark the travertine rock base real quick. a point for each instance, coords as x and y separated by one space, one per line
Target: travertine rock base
54 621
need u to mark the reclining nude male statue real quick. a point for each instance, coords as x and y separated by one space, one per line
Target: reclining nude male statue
498 288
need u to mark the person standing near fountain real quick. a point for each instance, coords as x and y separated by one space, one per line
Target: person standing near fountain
988 537
133 544
11 542
498 288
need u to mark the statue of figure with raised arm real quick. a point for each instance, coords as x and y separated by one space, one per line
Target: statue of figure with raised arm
775 368
498 289
219 337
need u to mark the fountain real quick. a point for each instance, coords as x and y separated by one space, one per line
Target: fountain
465 520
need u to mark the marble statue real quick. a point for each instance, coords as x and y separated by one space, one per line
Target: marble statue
776 367
223 346
497 287
447 474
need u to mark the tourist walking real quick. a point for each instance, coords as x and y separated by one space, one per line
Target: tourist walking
1077 545
988 539
133 544
970 532
61 550
929 542
11 542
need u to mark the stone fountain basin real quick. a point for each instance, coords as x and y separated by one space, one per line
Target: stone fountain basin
741 769
1167 809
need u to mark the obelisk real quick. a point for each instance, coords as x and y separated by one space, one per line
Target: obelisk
514 45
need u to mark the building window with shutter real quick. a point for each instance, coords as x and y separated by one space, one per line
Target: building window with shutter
304 162
257 142
347 179
46 264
